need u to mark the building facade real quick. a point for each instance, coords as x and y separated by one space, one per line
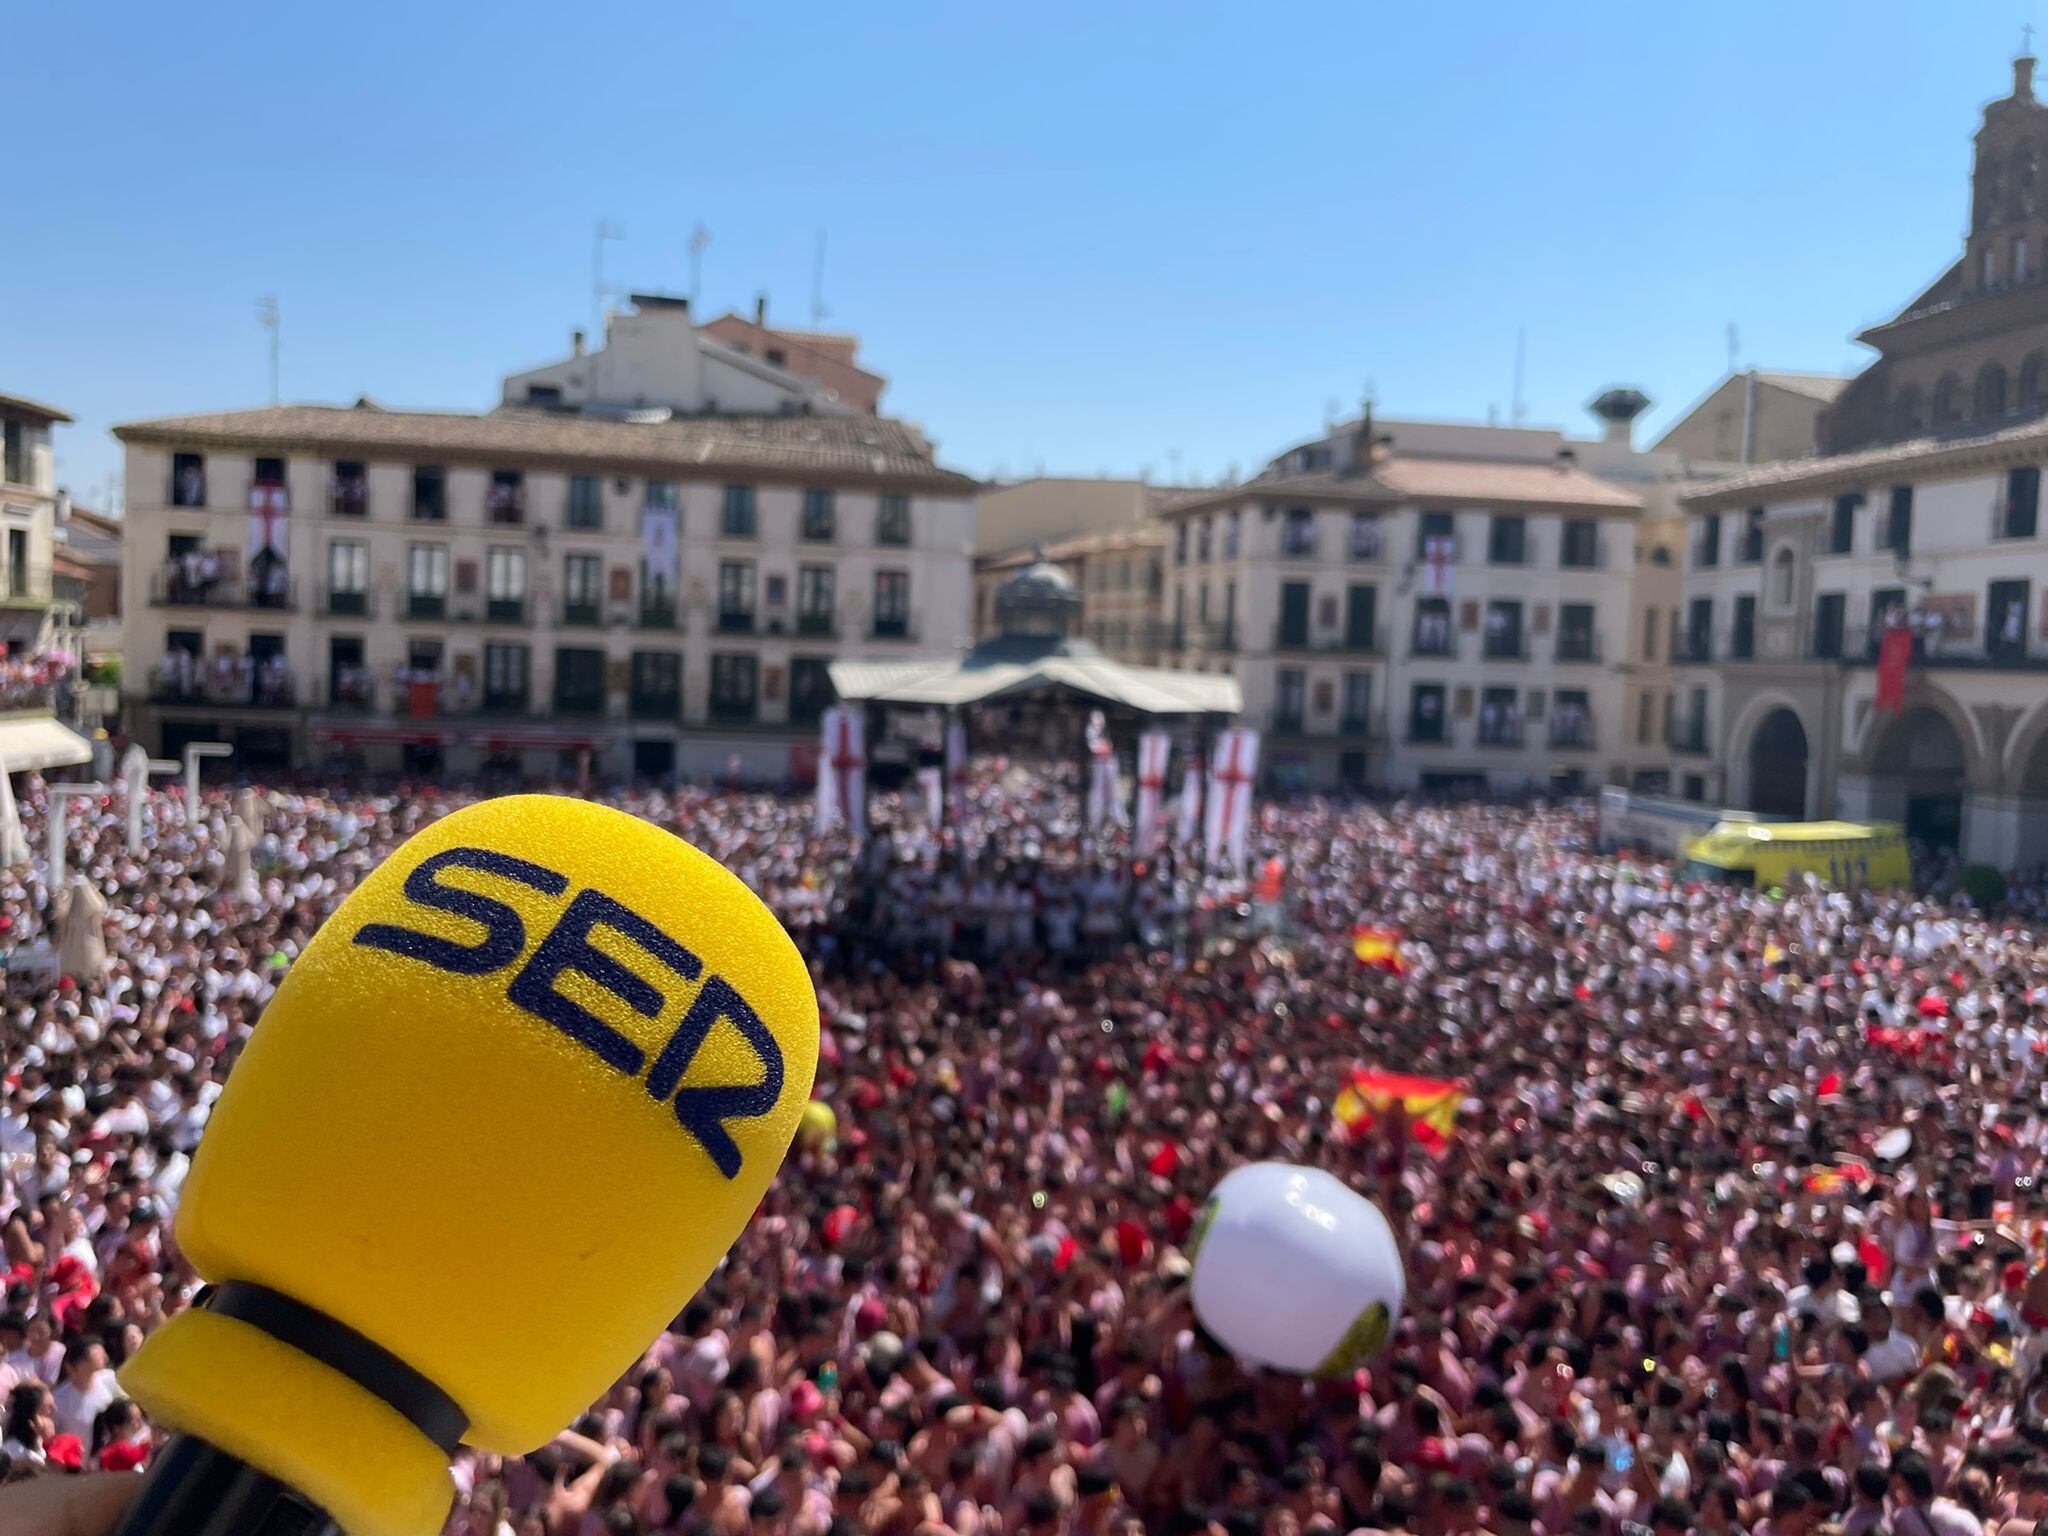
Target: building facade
28 518
559 582
1429 607
827 358
1121 578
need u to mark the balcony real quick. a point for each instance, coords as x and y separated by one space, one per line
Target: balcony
349 499
1577 648
654 706
657 613
426 605
28 698
735 711
352 690
238 683
348 605
735 621
579 701
1422 734
582 613
1507 735
504 701
1426 647
170 589
816 624
1505 648
891 629
1367 726
1583 555
1363 642
1571 738
1694 648
505 506
1288 722
505 610
1860 648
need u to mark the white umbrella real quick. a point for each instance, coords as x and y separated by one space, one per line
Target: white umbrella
81 930
13 841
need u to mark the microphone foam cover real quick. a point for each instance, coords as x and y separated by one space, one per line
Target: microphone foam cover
507 1112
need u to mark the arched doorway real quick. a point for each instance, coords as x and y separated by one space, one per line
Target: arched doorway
1777 766
1919 764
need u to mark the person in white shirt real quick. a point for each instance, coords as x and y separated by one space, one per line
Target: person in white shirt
1890 1353
87 1387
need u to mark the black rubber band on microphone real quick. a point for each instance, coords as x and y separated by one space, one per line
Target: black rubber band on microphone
339 1347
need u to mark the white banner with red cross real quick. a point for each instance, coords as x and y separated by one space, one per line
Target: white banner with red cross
1154 748
1229 822
843 772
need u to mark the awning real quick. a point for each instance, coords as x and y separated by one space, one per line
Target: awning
950 684
38 741
21 626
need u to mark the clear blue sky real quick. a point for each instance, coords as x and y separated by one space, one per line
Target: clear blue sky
1074 236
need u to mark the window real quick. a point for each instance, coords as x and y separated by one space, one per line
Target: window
505 676
1577 639
1233 534
14 458
505 501
1948 400
2033 376
1829 609
1426 712
426 581
1365 535
429 494
820 517
1357 702
736 596
268 472
657 689
1710 539
1500 717
892 604
188 474
582 589
810 688
1752 537
1742 640
1898 529
17 565
1699 629
1205 536
1180 544
505 585
1290 694
1435 538
892 521
348 577
1503 635
586 502
1990 395
579 680
1293 615
1990 267
351 489
1433 627
1571 719
1580 550
738 520
1229 636
1646 705
1649 634
348 680
1908 413
1361 614
1507 540
1842 526
735 687
2019 260
1298 534
2005 620
814 600
2022 503
1123 576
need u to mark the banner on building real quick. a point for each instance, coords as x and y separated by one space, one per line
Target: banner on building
1105 801
1228 824
1439 557
1894 655
1189 821
660 551
932 783
1154 749
843 772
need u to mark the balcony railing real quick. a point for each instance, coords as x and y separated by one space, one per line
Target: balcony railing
505 610
1693 648
1437 646
426 605
815 624
891 629
655 706
1504 648
1578 648
1690 736
579 701
656 613
255 687
734 711
351 689
28 698
1861 647
1371 642
349 499
1571 738
1582 557
169 589
1422 735
1501 735
1368 725
735 621
584 613
348 605
504 701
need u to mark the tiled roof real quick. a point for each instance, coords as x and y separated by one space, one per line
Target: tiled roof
1923 456
841 448
1462 482
27 407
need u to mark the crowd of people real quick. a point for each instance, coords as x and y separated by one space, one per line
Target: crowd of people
1739 1228
30 681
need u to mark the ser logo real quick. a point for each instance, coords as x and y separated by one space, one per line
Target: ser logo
702 1111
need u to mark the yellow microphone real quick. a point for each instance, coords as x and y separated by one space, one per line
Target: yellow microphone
504 1116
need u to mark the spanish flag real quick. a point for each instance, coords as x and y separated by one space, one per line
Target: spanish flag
1430 1104
1377 946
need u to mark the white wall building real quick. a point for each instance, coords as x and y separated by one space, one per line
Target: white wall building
28 516
446 593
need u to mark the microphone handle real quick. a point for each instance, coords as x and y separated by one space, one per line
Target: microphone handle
194 1488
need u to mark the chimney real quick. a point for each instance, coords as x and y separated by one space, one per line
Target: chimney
2023 77
576 342
1382 448
761 310
1568 458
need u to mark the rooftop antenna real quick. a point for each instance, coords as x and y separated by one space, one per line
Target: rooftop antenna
699 238
605 231
818 310
1517 412
266 316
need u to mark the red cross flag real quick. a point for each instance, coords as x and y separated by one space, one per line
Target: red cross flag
843 772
